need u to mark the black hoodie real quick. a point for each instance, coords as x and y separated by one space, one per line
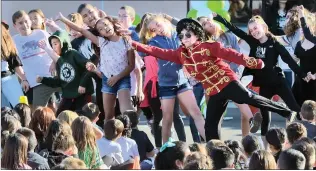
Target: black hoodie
71 69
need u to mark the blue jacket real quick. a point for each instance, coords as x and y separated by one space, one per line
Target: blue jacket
169 74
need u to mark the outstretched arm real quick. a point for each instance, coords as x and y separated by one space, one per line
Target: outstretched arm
287 58
237 31
307 33
232 55
83 31
164 54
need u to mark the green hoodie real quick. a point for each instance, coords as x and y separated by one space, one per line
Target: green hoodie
71 69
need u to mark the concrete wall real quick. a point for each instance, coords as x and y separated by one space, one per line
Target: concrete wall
51 8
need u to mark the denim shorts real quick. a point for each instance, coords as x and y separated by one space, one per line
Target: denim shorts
170 92
122 84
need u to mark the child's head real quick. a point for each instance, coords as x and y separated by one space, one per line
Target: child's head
8 47
38 19
171 156
113 129
308 151
83 133
308 110
155 25
9 111
77 19
91 111
291 159
54 129
24 112
126 16
140 25
71 163
127 132
10 123
236 147
67 116
196 147
30 136
40 121
89 14
107 27
65 143
250 144
198 161
133 117
276 139
212 144
22 23
190 31
14 152
262 160
257 28
212 29
222 157
295 131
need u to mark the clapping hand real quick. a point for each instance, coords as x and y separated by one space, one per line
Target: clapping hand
90 67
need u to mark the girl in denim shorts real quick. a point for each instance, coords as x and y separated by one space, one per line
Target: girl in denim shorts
117 60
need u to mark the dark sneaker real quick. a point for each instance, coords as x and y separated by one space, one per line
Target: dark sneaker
291 118
255 122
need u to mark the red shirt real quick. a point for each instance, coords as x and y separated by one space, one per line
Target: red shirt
204 62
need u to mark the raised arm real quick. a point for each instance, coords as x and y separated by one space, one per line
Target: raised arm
307 33
237 31
232 55
287 58
173 20
164 54
86 33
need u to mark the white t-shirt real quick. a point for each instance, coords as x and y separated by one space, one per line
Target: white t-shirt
139 63
34 59
129 148
113 56
110 149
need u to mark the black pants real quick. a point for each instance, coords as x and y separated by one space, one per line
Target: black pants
74 104
284 91
155 107
99 100
236 92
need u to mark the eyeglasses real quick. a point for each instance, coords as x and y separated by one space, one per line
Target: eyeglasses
187 35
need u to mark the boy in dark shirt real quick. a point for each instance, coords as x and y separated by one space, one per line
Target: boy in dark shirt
72 76
147 149
308 115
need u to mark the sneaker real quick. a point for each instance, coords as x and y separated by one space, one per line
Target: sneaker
255 122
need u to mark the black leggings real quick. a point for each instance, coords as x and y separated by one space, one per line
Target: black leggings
236 92
284 91
155 107
99 101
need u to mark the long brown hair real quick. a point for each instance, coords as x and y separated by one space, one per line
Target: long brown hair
83 133
14 152
8 48
262 160
40 121
39 12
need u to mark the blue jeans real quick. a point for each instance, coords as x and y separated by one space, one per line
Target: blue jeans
124 83
11 90
198 93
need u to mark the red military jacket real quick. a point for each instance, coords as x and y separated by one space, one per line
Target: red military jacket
204 62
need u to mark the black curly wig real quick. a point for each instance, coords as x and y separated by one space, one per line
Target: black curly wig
194 27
